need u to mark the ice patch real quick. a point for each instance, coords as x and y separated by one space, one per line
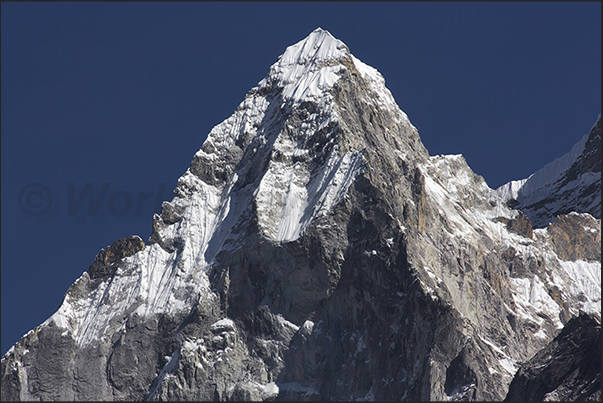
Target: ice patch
307 326
509 365
289 197
531 298
586 281
360 345
285 323
223 325
270 390
494 346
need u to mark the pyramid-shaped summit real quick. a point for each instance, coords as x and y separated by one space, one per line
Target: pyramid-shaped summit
291 124
313 250
318 48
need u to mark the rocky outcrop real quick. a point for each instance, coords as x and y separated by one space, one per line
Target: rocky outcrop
315 251
521 225
105 263
576 237
568 369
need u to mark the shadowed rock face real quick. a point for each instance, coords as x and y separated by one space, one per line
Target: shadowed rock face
567 369
401 276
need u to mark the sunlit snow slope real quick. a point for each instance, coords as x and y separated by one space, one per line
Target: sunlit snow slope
572 182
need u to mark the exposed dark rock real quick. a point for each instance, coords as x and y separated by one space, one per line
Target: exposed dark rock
568 369
590 160
104 264
521 225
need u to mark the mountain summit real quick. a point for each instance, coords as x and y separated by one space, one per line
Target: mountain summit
315 251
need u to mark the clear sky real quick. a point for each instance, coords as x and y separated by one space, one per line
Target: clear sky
125 94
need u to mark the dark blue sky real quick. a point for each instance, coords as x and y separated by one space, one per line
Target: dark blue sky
125 94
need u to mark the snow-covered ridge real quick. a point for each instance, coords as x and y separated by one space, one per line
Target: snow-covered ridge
449 182
535 186
571 182
382 94
510 190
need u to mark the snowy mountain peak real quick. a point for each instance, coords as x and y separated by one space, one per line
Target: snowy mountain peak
285 158
309 68
571 182
314 250
318 47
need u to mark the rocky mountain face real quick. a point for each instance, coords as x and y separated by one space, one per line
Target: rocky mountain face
570 183
314 250
568 369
